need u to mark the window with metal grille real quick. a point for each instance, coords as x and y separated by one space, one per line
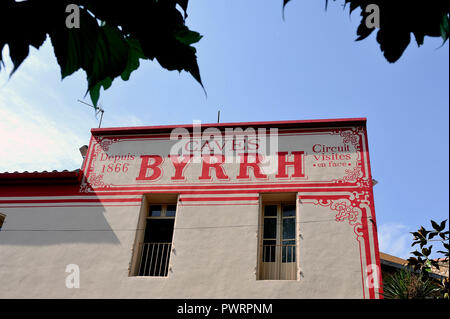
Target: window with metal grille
157 242
278 249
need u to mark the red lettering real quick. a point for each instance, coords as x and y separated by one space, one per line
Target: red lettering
218 145
179 165
245 165
238 146
209 146
189 146
314 148
253 142
145 165
297 163
217 166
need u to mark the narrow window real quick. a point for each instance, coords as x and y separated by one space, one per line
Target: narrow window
278 249
157 242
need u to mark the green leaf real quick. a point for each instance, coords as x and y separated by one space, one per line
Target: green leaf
187 36
423 242
95 91
416 235
18 53
353 5
111 56
435 264
420 37
183 4
444 27
427 251
442 226
363 32
22 24
435 225
125 35
415 243
75 48
176 55
169 45
431 235
134 54
423 232
285 2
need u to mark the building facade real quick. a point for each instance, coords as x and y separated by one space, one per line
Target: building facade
233 210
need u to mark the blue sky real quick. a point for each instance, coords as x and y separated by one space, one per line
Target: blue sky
257 67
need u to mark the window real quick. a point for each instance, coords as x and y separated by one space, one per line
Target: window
278 248
2 219
155 249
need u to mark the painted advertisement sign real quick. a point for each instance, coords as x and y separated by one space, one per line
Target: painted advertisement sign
233 156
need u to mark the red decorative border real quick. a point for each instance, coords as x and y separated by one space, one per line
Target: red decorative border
93 182
352 208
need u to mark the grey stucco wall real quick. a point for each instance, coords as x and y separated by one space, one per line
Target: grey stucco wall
214 255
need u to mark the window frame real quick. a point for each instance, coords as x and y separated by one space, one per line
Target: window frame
163 212
147 218
279 236
148 200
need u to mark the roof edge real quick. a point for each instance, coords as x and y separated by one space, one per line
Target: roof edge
265 124
39 177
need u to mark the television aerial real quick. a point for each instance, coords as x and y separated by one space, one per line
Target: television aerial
97 109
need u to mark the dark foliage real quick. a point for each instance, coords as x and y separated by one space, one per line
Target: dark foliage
114 35
400 18
422 262
405 284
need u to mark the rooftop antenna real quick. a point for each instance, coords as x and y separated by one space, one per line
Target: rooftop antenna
97 109
218 116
